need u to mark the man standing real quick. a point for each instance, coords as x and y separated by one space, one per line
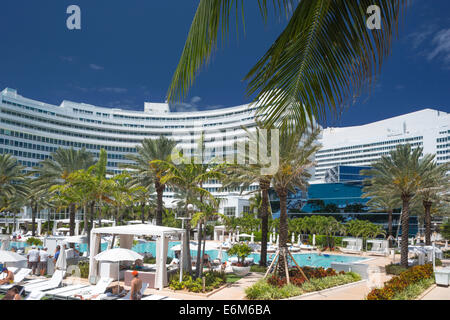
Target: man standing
136 286
43 258
33 258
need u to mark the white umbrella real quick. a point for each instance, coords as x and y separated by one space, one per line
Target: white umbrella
299 241
76 239
61 263
314 240
9 256
252 239
293 238
244 235
118 255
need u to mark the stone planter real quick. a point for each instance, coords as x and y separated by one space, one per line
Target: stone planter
240 271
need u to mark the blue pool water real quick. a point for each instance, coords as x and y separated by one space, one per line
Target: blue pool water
303 259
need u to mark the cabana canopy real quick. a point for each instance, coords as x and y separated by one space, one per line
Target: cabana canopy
126 235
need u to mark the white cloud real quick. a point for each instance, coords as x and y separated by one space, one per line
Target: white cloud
96 67
113 90
441 43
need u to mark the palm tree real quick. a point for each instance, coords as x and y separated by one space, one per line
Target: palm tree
250 173
325 56
56 169
431 192
380 200
296 159
144 167
208 212
12 177
37 198
402 173
189 178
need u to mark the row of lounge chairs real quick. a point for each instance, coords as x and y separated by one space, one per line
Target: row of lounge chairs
38 288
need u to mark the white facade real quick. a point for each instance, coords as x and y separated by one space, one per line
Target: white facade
31 130
362 145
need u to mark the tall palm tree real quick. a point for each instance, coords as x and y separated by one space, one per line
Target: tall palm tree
209 211
250 173
402 173
12 177
431 192
144 167
189 177
296 159
380 200
325 56
56 169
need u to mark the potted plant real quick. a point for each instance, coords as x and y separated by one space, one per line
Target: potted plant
242 251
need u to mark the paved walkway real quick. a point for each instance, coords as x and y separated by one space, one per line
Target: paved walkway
438 293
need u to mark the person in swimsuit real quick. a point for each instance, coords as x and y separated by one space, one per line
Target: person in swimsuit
136 286
9 277
12 294
206 262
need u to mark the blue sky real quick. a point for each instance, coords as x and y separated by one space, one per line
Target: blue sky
126 53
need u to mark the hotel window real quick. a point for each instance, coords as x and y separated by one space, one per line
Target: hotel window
229 211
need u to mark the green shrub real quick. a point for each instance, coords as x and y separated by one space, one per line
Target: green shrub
258 268
414 290
34 241
395 269
262 290
398 284
241 250
321 241
270 290
213 280
84 269
446 254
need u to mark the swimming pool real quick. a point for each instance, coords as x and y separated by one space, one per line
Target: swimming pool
303 259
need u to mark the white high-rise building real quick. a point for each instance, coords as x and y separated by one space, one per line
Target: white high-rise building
31 131
362 145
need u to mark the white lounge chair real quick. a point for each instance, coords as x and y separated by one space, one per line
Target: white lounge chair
88 292
58 291
53 283
354 245
35 295
21 274
128 296
379 247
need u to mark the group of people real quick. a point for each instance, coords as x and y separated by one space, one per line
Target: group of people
37 260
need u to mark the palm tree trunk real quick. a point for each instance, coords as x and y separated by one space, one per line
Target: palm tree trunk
33 219
199 263
427 207
91 222
390 227
159 201
283 231
72 219
264 225
143 211
188 237
405 231
85 219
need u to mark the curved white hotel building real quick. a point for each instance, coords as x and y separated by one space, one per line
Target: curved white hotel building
362 145
31 130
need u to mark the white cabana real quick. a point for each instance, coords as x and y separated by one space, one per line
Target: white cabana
126 235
